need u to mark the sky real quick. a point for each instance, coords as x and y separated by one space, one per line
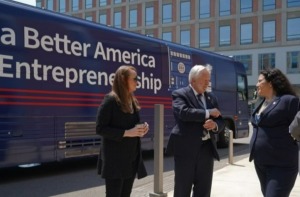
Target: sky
29 2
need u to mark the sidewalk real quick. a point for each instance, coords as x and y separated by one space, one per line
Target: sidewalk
240 180
237 180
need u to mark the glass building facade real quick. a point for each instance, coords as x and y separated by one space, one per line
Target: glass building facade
259 33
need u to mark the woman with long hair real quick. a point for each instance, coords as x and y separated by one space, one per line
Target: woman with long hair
118 124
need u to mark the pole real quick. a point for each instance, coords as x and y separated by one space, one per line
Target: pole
230 157
158 151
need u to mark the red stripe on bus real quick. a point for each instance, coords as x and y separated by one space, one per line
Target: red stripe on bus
48 98
72 99
154 97
76 93
65 104
49 92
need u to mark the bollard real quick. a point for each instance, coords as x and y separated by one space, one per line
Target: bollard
230 155
158 151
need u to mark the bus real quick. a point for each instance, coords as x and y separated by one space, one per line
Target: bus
56 69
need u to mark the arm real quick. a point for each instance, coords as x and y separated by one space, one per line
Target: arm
107 127
184 109
215 121
104 126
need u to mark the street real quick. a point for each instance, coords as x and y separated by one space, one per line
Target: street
76 177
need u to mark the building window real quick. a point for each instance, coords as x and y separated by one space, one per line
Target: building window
89 18
293 29
293 62
117 1
246 6
266 61
224 36
224 9
38 3
167 36
167 13
204 10
102 18
204 37
185 11
185 37
133 18
102 2
50 5
62 6
75 5
293 3
149 19
246 60
117 20
88 4
269 31
246 33
269 5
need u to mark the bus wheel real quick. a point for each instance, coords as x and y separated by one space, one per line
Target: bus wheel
223 138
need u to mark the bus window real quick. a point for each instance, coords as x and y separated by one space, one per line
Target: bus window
242 88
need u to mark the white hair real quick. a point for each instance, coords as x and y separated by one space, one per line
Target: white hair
196 70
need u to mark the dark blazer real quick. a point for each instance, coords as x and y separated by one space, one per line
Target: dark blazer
271 142
118 153
190 117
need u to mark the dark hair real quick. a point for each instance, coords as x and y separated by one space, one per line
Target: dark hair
120 89
279 81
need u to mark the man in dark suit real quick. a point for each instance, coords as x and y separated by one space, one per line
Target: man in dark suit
192 140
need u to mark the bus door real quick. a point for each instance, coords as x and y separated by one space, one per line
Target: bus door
242 107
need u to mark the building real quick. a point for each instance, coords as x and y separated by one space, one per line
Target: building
259 33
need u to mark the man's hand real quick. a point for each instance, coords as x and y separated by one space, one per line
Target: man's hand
210 125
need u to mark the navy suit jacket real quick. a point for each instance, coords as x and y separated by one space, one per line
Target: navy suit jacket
271 142
190 117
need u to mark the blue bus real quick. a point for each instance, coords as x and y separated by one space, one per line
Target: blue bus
56 69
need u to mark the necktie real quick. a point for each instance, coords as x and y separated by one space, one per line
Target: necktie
200 98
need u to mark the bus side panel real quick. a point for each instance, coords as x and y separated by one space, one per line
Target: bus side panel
234 103
242 102
26 140
59 68
225 87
